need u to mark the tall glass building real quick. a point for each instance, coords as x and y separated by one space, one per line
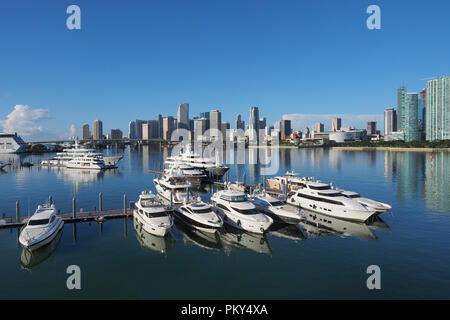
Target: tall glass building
401 108
411 117
437 118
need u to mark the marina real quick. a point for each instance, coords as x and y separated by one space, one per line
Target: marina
316 239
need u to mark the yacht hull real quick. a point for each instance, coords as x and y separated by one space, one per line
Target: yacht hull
196 224
34 245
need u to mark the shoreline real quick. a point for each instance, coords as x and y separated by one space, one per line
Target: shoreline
392 149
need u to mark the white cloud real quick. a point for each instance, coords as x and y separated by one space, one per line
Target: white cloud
25 121
300 121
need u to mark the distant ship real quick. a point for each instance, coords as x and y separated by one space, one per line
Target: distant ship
11 143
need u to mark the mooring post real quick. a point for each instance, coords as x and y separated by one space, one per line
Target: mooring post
17 211
124 203
74 208
50 200
100 201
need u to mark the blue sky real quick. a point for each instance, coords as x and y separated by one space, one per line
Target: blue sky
135 59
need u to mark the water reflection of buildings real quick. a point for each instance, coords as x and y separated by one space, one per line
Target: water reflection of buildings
420 174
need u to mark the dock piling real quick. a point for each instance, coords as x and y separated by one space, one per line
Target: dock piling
17 211
50 200
74 207
124 203
100 201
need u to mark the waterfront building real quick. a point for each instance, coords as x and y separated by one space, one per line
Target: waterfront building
116 134
98 130
168 127
204 115
183 116
215 123
343 136
401 107
138 126
285 129
262 123
132 130
410 117
85 132
437 103
11 143
201 125
318 127
371 128
253 125
397 136
160 125
390 122
336 124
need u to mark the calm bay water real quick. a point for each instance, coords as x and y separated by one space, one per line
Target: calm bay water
411 245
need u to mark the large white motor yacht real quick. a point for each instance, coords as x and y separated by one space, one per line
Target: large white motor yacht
277 209
62 159
41 228
192 174
379 207
320 197
236 210
173 186
152 215
199 215
210 167
86 162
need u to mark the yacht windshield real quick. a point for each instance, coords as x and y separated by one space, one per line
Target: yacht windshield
336 194
242 198
246 211
277 203
206 210
319 187
353 195
38 222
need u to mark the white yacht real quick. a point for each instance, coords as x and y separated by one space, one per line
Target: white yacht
86 162
68 155
4 164
41 228
277 209
173 186
151 241
290 180
199 215
320 197
210 167
236 210
152 215
379 207
192 174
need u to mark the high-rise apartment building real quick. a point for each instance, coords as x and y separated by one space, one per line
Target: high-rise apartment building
239 123
98 130
253 125
262 123
116 134
183 116
85 134
168 127
225 128
371 128
132 130
401 108
437 104
215 123
390 122
318 127
336 124
285 129
410 117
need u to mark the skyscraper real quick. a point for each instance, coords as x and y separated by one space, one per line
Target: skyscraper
183 116
201 125
168 127
138 128
98 130
225 128
215 122
285 129
410 117
239 123
437 105
86 134
401 108
319 127
390 122
132 130
371 128
336 124
253 125
116 134
262 123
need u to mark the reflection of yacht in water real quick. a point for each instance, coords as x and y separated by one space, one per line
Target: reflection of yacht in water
235 239
287 231
205 240
149 241
31 258
317 224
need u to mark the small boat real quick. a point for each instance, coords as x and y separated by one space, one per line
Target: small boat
236 210
152 215
31 258
199 215
41 228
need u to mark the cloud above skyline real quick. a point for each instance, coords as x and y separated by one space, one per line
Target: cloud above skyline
300 121
25 121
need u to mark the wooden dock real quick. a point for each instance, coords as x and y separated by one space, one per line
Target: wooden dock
12 222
